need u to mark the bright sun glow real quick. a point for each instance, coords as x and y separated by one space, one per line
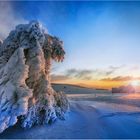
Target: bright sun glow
135 83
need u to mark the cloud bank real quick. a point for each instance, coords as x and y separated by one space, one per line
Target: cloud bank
57 78
82 74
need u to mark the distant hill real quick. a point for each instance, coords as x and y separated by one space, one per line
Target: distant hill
124 89
75 89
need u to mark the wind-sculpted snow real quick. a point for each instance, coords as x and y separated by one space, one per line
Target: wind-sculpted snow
25 90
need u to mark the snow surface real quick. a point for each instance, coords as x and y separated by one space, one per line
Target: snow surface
90 116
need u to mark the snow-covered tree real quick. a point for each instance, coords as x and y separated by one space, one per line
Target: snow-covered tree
25 89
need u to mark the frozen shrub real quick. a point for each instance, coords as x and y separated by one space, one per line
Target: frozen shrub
25 88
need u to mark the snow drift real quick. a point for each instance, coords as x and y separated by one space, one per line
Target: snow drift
25 89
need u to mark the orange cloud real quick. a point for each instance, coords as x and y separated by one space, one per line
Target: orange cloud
121 78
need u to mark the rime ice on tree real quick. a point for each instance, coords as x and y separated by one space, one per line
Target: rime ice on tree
25 88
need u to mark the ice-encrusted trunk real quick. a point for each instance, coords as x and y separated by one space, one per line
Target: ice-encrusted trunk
25 88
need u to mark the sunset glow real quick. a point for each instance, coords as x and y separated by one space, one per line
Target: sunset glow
93 83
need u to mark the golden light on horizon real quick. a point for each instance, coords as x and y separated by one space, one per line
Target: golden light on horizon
101 84
93 83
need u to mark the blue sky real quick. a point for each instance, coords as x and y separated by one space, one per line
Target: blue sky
97 35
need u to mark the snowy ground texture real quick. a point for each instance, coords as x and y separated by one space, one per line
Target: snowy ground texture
90 116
